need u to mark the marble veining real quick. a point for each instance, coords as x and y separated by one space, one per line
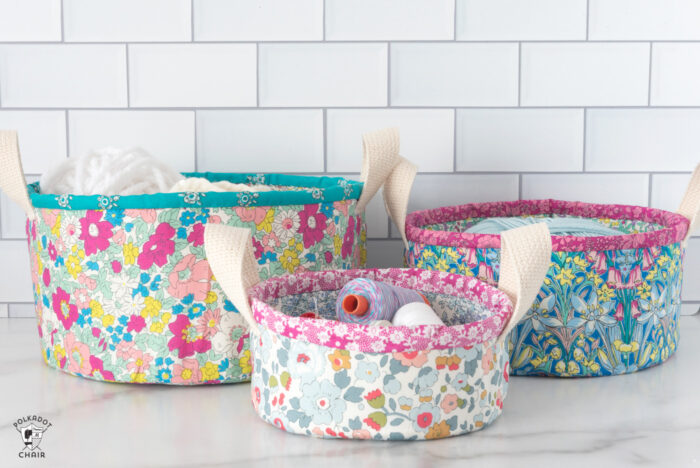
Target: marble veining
650 418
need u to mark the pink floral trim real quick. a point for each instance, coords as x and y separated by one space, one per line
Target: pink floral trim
675 225
355 337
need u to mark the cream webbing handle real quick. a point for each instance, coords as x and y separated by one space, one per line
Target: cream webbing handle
690 206
12 179
380 155
526 254
230 255
397 190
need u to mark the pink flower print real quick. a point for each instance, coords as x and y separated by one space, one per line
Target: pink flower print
449 403
86 281
330 229
196 237
341 206
286 225
486 273
312 224
487 360
78 355
214 219
95 233
208 323
470 258
124 349
197 282
46 276
257 248
149 216
634 309
157 248
52 251
270 242
251 213
329 257
49 216
136 323
119 237
187 373
82 298
116 266
139 361
98 369
412 358
67 313
348 238
185 338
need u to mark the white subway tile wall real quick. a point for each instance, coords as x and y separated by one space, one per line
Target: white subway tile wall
593 100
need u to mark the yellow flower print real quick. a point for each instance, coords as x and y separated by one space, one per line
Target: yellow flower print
210 371
107 320
156 327
556 353
644 290
594 367
152 307
580 262
594 278
56 229
438 431
340 359
560 368
578 354
165 318
442 265
73 263
130 252
96 309
605 294
266 223
290 257
573 368
59 354
138 377
564 276
337 244
626 347
244 362
538 361
211 297
363 253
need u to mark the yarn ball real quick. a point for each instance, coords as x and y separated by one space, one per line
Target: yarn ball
110 171
200 184
414 314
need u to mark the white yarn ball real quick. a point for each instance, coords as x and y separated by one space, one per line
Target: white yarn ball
416 313
200 184
110 171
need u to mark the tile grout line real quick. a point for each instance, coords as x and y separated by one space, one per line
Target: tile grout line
63 37
520 71
585 136
196 149
649 190
454 21
191 20
325 140
640 107
454 141
388 74
651 55
128 80
67 134
257 75
588 16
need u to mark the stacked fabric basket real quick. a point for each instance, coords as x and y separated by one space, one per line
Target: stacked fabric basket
122 285
326 378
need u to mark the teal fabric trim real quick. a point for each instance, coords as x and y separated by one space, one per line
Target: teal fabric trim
311 190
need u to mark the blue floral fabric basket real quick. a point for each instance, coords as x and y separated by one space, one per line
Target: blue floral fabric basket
122 284
609 304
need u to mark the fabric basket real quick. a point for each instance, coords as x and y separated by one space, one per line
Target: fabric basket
326 378
609 305
122 285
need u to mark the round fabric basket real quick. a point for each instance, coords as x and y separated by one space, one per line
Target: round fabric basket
122 285
609 304
324 378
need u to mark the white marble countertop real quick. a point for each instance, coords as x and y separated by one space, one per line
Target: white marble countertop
650 418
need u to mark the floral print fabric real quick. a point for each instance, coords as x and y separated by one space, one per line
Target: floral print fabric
127 295
321 391
599 312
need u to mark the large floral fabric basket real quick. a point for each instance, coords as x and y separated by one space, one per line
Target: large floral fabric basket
609 305
324 378
122 284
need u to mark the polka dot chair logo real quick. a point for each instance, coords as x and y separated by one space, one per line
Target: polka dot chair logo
32 429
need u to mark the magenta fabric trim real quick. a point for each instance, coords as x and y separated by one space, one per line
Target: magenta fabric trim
356 337
675 225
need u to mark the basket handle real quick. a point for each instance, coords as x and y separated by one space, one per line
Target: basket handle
690 206
397 190
526 254
230 255
380 155
12 179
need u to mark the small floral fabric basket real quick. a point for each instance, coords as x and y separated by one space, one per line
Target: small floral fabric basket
325 378
122 285
609 305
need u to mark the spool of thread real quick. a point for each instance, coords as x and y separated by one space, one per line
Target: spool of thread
562 226
363 301
416 313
